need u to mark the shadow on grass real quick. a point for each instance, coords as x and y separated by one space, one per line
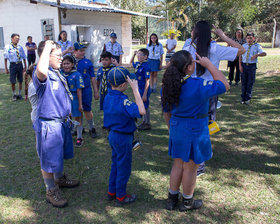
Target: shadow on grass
248 142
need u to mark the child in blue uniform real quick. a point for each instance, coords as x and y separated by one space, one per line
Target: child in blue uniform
119 116
52 125
76 84
85 68
102 75
155 59
185 101
142 72
248 66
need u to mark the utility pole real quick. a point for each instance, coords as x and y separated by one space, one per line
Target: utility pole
274 33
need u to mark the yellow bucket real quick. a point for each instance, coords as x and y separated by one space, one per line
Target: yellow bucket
213 127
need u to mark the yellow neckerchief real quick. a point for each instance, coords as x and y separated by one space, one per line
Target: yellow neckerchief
104 87
248 52
17 51
138 66
185 78
67 74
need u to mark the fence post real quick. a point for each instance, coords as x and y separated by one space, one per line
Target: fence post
274 33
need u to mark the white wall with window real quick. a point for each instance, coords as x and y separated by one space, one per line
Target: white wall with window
24 18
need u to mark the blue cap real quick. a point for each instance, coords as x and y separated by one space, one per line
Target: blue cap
78 45
118 75
114 35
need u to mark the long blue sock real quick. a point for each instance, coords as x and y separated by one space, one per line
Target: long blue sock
49 183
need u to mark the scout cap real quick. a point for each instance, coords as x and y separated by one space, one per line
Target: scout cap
114 35
78 45
118 75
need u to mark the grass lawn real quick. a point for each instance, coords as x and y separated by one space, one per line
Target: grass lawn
241 184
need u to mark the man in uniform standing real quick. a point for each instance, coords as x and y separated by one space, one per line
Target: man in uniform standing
14 53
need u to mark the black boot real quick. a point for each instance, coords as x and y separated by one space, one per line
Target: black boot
92 133
172 201
189 204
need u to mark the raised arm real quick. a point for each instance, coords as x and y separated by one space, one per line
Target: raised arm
43 64
217 74
229 41
133 56
138 99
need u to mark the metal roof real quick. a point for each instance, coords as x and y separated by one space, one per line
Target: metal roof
94 7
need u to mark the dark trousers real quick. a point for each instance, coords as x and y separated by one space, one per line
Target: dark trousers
31 58
248 78
234 65
212 108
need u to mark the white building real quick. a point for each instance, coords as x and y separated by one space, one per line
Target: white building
91 23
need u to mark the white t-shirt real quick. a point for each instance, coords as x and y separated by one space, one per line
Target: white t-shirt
171 43
33 99
217 53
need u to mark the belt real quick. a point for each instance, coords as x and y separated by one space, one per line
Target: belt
249 64
199 116
120 132
58 120
15 63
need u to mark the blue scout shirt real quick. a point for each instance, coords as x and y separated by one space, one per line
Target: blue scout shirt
10 53
53 100
216 54
142 72
155 51
100 75
114 48
119 112
65 45
251 51
74 80
195 94
187 43
86 69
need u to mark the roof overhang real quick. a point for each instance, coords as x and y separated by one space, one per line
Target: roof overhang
94 7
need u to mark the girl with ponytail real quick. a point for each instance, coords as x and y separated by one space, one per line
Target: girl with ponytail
185 102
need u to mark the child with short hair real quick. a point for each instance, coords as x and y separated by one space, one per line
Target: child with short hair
102 75
86 69
119 117
142 72
248 66
76 84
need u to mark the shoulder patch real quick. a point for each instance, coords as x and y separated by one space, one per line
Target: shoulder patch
204 82
127 102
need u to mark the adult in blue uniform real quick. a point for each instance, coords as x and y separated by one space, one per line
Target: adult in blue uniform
119 117
14 53
114 47
142 72
52 126
85 67
185 101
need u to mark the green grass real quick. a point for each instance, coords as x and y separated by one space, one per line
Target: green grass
241 184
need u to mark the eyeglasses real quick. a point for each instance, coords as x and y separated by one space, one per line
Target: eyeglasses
58 56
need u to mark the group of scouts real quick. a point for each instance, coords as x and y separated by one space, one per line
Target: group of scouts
62 84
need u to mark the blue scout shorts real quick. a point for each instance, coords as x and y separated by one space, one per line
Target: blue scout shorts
75 106
16 71
87 98
54 144
154 65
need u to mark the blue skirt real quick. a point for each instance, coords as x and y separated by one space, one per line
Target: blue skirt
189 139
154 65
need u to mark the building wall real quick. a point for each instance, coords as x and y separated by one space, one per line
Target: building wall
24 18
100 25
